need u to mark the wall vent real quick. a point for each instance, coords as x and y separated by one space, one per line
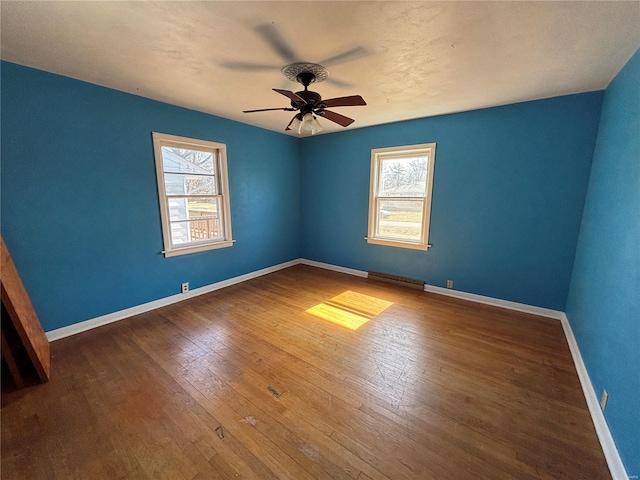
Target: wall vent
396 280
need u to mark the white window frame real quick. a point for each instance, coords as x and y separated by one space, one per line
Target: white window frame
219 151
379 154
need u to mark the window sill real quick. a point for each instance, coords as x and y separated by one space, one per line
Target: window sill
398 244
197 248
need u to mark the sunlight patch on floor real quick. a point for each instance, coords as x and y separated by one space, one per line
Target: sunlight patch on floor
350 309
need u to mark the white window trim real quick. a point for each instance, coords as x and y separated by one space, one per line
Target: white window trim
378 154
164 140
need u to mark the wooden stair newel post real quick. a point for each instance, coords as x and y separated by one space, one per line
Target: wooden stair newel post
23 317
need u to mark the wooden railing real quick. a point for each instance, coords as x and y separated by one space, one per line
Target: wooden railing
203 229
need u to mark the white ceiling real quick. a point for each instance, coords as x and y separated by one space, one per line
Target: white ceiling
408 59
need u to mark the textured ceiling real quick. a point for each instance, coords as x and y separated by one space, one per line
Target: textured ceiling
407 59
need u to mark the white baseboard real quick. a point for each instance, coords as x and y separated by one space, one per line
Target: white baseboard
335 268
146 307
611 454
496 302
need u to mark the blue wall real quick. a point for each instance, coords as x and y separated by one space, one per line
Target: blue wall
80 213
79 199
604 300
509 188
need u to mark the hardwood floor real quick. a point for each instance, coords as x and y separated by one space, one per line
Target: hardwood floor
243 383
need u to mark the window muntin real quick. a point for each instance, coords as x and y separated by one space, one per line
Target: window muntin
194 194
400 196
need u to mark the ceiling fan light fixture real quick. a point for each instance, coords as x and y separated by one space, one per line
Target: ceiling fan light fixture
296 125
309 124
315 126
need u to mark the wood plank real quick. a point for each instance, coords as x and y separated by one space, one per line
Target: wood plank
24 317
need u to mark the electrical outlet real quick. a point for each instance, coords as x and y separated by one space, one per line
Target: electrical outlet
185 287
449 283
603 399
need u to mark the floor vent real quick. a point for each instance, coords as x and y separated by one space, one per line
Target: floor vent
396 280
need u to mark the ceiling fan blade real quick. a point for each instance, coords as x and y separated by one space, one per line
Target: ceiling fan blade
269 32
289 125
352 101
339 83
268 109
337 118
347 56
248 67
290 94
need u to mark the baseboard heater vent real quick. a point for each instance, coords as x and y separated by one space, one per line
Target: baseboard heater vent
396 280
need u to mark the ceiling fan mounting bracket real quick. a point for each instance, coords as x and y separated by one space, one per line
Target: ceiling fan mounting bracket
305 73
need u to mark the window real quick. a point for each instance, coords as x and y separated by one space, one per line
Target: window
194 194
400 196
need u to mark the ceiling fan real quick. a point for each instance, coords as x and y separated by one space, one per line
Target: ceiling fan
310 103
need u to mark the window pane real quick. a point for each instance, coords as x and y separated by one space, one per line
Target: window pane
182 160
400 219
196 231
203 207
193 208
403 177
175 184
179 233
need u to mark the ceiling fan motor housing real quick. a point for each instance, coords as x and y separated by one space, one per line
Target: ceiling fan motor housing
312 99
